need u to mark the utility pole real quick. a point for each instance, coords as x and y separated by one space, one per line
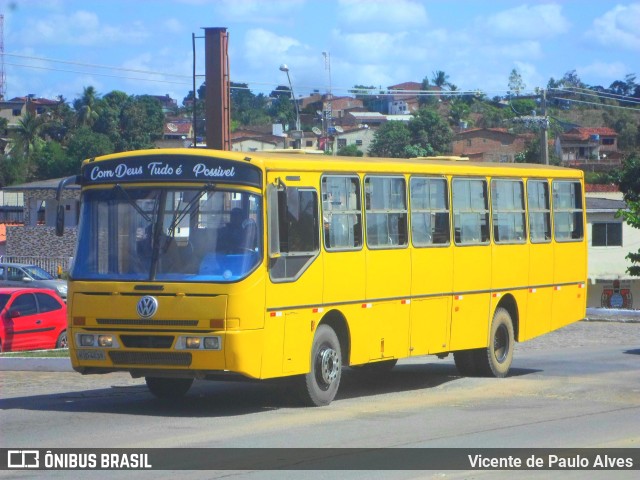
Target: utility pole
544 131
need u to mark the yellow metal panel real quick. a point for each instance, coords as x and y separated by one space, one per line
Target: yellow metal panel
431 275
470 306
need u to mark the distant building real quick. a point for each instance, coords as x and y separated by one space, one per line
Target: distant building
590 148
489 144
609 240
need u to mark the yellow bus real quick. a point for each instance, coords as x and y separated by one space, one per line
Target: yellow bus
203 264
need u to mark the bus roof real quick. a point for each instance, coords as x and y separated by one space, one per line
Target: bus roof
270 160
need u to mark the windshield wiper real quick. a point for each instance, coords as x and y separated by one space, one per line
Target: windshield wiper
179 215
133 203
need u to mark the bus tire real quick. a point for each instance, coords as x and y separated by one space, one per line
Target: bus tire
495 360
168 388
321 383
465 361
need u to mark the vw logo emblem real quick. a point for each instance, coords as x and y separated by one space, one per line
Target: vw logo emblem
147 306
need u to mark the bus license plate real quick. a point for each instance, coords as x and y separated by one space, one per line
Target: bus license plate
90 354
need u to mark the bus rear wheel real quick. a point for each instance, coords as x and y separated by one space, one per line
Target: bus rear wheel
495 360
321 383
168 388
465 361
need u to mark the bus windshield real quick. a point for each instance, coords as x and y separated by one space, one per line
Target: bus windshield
168 234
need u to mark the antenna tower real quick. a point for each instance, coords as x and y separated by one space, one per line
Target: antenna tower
3 78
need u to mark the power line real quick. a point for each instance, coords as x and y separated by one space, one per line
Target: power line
602 104
603 95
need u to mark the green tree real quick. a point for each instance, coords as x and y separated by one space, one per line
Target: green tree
53 162
85 106
630 187
390 140
141 123
86 143
247 108
350 151
440 79
427 100
430 132
516 84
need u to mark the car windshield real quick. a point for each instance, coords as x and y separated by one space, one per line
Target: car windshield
183 235
38 273
4 298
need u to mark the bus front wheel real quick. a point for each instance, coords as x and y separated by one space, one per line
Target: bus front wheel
321 383
495 360
168 388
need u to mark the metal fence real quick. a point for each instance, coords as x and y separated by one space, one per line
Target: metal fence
53 265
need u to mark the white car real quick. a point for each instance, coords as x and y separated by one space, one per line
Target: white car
32 276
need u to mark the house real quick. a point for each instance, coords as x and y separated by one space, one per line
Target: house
36 236
361 137
15 109
489 144
595 148
371 119
251 140
409 103
169 105
609 240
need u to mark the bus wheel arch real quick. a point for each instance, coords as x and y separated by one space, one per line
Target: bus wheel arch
508 302
336 320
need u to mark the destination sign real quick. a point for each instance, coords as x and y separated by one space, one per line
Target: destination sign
171 168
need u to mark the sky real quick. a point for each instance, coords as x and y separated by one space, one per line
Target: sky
59 47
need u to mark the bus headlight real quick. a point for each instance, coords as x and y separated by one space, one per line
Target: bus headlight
105 340
97 340
193 342
212 343
199 343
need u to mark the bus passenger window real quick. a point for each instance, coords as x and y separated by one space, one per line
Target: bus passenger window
567 211
341 212
539 211
470 211
386 209
507 203
429 211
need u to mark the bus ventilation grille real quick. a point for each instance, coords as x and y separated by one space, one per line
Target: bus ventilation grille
143 321
182 359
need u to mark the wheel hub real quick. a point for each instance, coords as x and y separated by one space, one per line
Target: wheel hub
329 365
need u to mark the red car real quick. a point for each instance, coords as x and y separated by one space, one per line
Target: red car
32 319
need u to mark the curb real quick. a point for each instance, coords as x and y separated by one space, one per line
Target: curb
39 364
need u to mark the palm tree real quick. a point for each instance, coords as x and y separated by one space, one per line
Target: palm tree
28 129
86 106
440 79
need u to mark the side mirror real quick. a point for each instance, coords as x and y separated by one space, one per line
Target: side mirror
14 313
27 279
60 211
60 221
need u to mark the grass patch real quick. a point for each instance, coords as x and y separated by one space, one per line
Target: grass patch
57 353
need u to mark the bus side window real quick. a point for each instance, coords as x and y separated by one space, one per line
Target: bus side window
567 211
341 212
470 211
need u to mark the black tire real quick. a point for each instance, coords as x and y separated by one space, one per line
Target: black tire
62 342
495 360
465 361
377 367
168 388
321 383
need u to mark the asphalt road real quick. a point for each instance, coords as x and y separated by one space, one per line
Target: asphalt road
577 387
